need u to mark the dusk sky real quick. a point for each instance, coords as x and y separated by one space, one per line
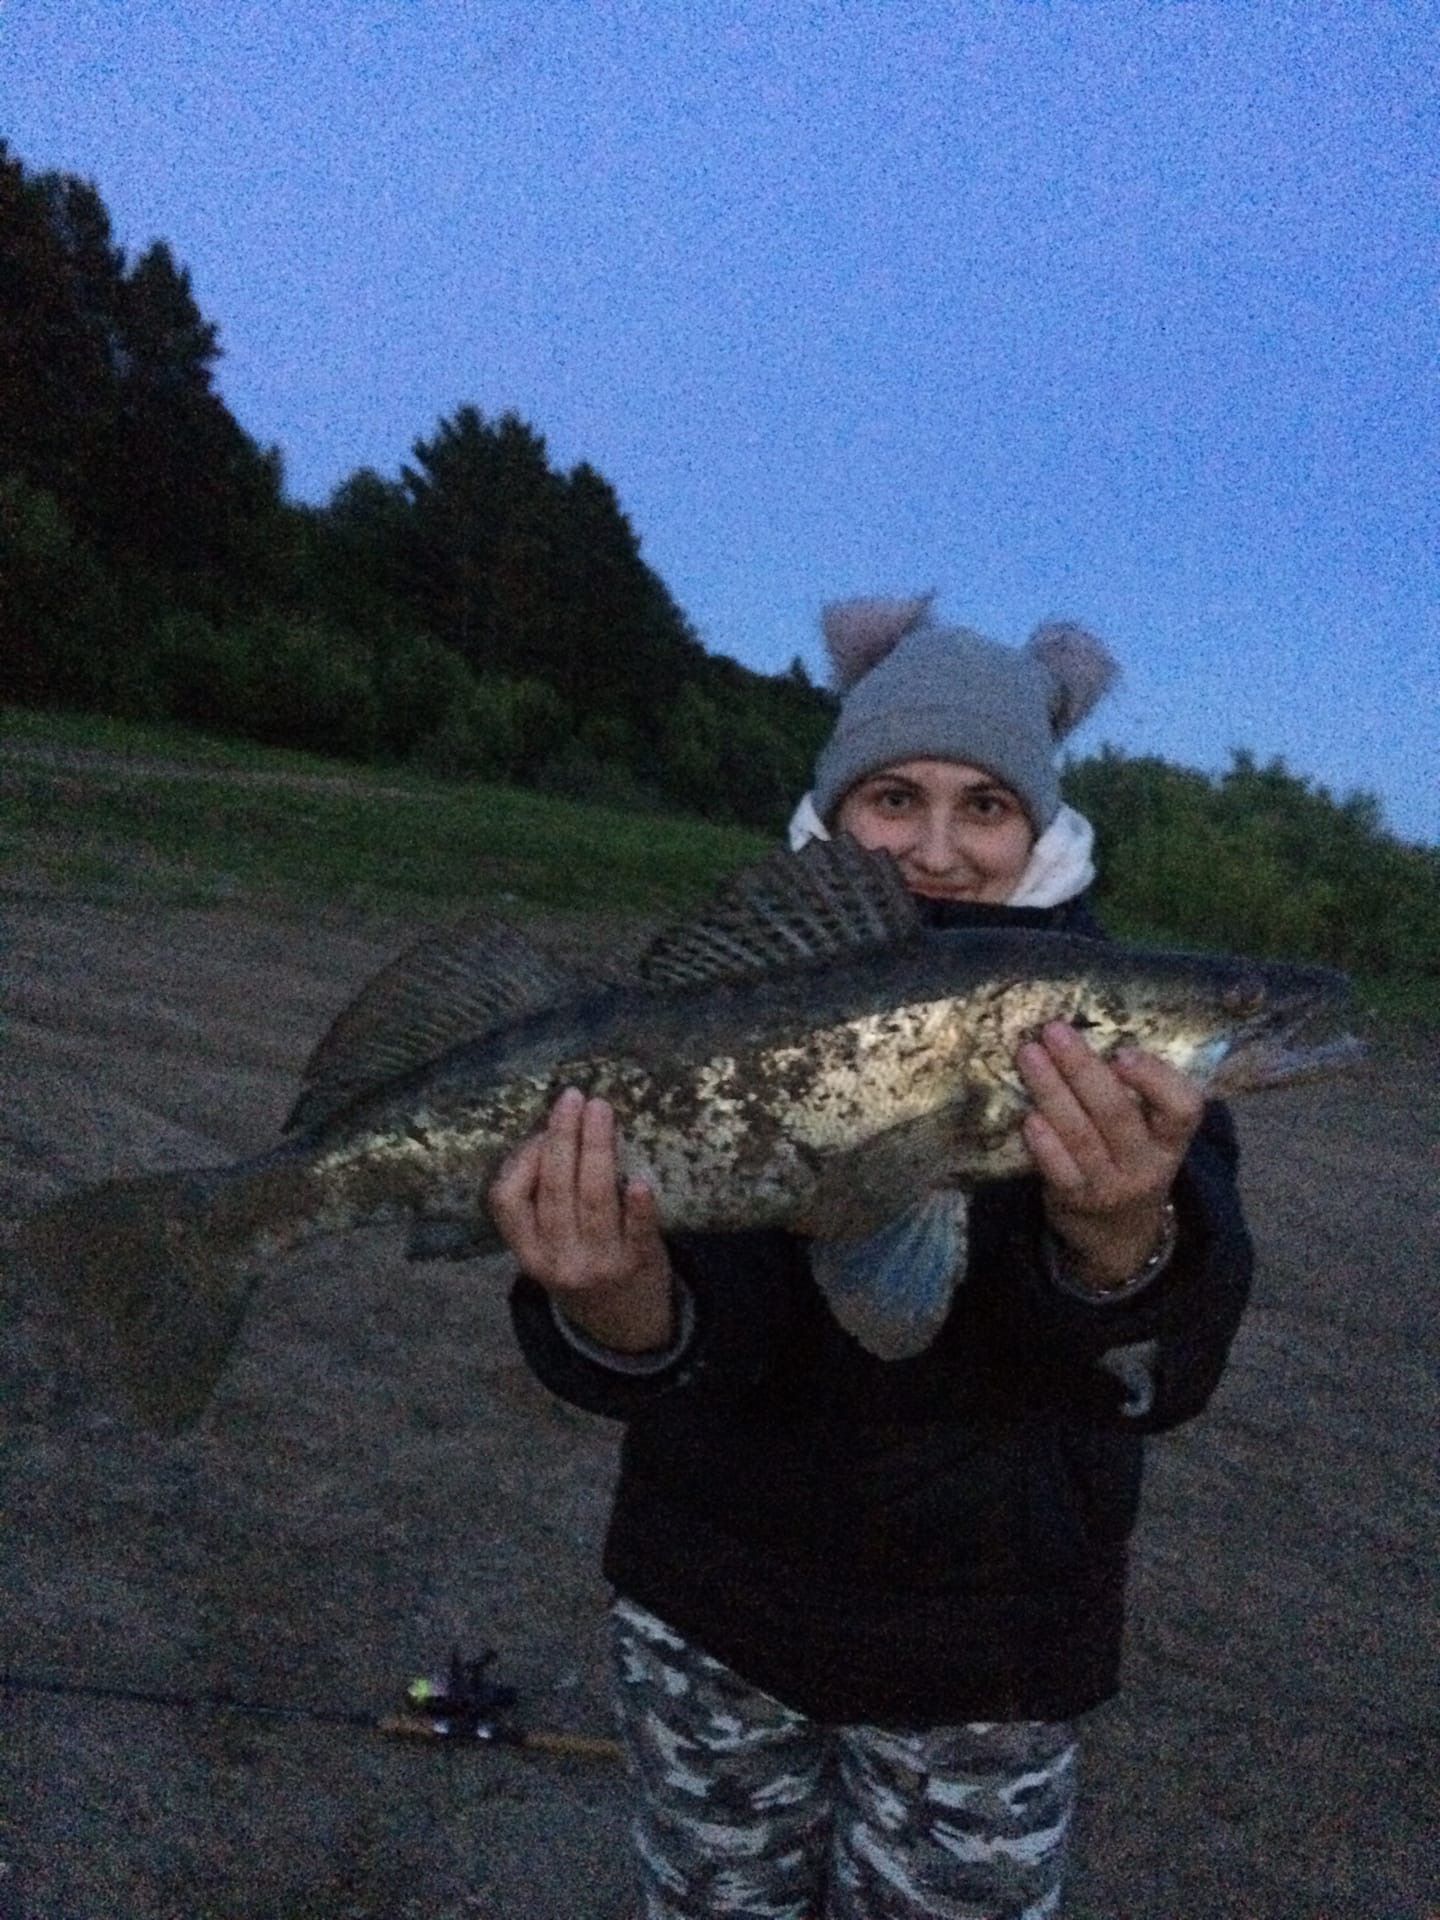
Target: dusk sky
1119 311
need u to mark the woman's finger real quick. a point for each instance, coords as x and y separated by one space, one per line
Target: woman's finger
1061 1079
1106 1100
1054 1162
1173 1105
597 1190
555 1195
1105 1136
512 1201
641 1215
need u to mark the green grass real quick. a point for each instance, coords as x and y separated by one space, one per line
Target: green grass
381 838
1400 1003
143 740
392 840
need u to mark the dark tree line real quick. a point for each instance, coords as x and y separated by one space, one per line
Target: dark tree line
111 433
1258 860
487 615
481 612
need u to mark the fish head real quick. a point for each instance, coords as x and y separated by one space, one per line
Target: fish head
1229 1025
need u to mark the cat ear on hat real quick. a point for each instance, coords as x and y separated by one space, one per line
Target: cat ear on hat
860 633
1082 671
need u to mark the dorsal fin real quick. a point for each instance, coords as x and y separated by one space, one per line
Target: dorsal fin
801 909
447 988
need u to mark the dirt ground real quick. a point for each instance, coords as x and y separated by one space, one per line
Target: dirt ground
380 1478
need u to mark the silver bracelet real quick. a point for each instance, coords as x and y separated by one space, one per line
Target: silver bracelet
1154 1265
637 1364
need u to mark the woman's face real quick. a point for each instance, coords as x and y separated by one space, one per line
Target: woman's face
957 833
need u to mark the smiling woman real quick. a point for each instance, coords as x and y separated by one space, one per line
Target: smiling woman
842 1569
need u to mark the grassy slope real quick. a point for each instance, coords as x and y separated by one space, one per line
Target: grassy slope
252 821
292 828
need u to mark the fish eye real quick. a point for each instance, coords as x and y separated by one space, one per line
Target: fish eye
1246 996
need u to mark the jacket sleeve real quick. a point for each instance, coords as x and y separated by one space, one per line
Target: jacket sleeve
741 1291
1152 1360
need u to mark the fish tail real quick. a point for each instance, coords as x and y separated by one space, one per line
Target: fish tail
154 1273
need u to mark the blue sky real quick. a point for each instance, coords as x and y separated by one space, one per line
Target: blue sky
1125 312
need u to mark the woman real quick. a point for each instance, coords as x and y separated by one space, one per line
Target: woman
860 1604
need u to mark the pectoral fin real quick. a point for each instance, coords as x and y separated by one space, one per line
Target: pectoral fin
893 1290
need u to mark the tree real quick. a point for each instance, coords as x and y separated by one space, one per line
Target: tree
60 278
107 400
65 635
198 487
1258 860
624 648
485 506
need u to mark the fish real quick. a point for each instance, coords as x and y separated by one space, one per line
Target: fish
805 1053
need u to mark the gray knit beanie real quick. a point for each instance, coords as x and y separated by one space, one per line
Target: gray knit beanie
916 691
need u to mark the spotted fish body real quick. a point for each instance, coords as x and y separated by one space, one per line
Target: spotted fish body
806 1055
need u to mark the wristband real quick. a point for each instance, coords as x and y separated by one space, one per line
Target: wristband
637 1364
1154 1265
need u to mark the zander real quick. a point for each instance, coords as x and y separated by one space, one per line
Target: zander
806 1054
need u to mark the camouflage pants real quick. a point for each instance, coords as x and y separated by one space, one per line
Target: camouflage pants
747 1808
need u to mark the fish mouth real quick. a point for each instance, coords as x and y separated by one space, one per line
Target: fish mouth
1280 1062
1293 1034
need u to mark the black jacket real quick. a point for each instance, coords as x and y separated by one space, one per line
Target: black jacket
914 1542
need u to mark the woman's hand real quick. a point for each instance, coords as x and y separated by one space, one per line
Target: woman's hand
1107 1139
596 1250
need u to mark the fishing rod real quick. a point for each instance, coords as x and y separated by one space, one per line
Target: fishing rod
462 1706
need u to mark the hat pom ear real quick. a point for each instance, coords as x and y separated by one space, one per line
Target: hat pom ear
1082 670
860 633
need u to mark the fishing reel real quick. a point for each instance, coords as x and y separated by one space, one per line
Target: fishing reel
461 1703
